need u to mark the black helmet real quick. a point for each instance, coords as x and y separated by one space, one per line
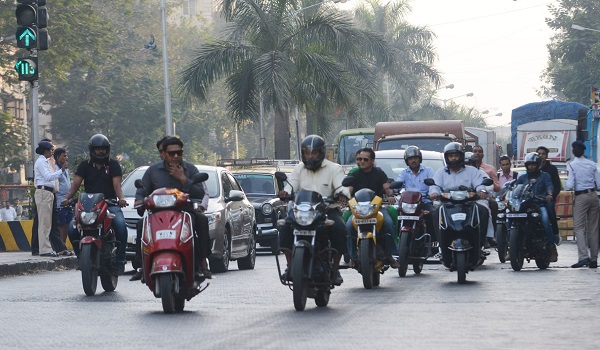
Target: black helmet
533 158
313 143
99 141
412 151
454 148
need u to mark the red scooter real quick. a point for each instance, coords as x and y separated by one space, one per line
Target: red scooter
98 244
168 247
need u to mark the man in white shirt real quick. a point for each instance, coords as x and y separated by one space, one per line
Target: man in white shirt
8 213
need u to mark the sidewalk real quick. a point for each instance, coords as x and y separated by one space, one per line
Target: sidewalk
17 263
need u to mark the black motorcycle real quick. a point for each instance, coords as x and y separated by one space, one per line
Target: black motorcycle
460 229
527 235
311 269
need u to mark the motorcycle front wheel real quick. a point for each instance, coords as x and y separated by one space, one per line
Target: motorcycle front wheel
90 260
502 240
300 282
461 267
165 281
517 251
403 255
367 263
322 298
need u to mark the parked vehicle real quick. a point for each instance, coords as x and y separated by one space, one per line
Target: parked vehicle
168 246
527 236
311 269
415 243
98 244
392 161
460 236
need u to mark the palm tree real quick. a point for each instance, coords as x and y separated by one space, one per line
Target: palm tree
316 60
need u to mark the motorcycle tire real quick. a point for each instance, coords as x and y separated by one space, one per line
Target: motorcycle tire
90 261
403 255
109 281
167 296
300 282
461 267
322 298
502 241
367 263
542 258
517 250
418 267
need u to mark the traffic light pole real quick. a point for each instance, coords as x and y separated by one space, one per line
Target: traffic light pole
168 118
35 121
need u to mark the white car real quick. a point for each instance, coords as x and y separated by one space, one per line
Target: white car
392 161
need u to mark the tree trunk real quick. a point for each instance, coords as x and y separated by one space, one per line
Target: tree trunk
282 136
312 125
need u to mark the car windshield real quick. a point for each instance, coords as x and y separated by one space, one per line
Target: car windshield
129 189
256 183
429 144
393 167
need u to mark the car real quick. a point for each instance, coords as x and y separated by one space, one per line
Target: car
392 161
231 218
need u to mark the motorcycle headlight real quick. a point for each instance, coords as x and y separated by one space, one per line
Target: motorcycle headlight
267 209
88 217
186 233
304 217
409 208
364 208
164 200
459 195
501 205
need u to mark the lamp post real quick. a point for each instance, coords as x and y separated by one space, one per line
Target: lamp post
168 117
578 27
470 94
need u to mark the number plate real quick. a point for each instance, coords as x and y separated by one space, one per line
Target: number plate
165 234
305 232
458 216
517 215
407 217
365 221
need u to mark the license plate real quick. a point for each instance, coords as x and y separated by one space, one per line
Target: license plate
165 234
305 232
458 216
365 221
407 217
518 215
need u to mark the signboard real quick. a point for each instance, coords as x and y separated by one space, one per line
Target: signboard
595 97
554 141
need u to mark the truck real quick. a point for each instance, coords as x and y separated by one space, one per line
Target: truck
347 142
554 125
431 135
486 138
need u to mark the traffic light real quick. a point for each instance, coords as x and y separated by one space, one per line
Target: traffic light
27 68
32 17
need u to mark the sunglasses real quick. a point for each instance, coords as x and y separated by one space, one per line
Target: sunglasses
173 153
359 159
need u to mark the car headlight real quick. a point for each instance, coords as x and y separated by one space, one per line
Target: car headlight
213 217
164 200
267 209
409 208
304 217
88 217
364 208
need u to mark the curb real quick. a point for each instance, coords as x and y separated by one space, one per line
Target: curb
35 265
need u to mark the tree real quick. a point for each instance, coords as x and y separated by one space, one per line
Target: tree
13 139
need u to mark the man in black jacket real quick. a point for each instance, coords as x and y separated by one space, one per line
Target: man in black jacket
549 168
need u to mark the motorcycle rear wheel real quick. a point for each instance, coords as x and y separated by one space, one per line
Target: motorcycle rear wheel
403 255
502 240
461 267
165 281
300 283
517 251
367 264
90 261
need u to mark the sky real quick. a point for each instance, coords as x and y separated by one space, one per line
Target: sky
495 49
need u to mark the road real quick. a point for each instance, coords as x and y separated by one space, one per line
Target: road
497 308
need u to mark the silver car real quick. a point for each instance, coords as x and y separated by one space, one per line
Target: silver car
231 218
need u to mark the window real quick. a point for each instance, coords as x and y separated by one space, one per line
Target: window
189 7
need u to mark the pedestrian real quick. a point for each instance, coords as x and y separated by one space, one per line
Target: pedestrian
583 178
8 213
18 209
65 213
45 175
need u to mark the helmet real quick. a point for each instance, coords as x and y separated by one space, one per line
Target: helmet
533 158
469 159
313 143
454 148
99 141
412 151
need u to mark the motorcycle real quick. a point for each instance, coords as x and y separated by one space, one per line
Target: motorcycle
527 235
98 244
168 262
502 228
415 244
311 268
460 236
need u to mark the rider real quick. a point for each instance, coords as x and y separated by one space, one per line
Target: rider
492 173
174 172
101 174
414 177
543 188
317 174
375 179
457 173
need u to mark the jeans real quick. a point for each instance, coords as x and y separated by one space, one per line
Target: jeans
547 224
386 230
118 224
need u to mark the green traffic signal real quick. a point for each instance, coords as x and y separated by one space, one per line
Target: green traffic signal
27 68
27 37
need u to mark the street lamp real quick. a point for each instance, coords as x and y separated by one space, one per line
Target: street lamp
451 86
495 115
578 27
295 13
168 117
470 94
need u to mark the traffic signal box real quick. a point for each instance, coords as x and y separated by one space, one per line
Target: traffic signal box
32 19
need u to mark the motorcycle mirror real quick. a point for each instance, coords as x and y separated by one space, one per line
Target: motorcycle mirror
138 184
429 182
200 177
396 184
348 181
280 175
487 182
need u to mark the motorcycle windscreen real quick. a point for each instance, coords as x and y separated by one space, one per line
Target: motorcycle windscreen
90 200
516 196
306 196
461 217
364 195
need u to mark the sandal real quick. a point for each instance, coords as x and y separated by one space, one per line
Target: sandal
66 253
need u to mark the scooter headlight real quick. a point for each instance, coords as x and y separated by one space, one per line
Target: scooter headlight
305 214
88 217
364 208
409 208
186 232
164 200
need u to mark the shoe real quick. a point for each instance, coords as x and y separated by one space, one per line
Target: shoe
136 276
438 256
486 245
582 263
120 268
593 264
66 253
507 258
392 262
51 254
553 253
338 280
35 253
205 273
353 264
492 242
